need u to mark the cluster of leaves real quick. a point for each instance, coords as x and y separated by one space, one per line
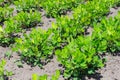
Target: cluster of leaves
59 7
17 24
79 57
45 77
35 47
4 73
26 5
5 13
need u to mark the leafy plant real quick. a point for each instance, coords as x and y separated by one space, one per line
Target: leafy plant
59 7
22 20
26 19
8 54
45 77
3 73
108 31
35 47
79 57
5 13
64 29
5 39
12 26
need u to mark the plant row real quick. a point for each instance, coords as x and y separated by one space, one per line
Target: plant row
53 8
83 17
17 23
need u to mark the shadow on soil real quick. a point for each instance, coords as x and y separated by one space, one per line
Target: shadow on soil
116 54
96 76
